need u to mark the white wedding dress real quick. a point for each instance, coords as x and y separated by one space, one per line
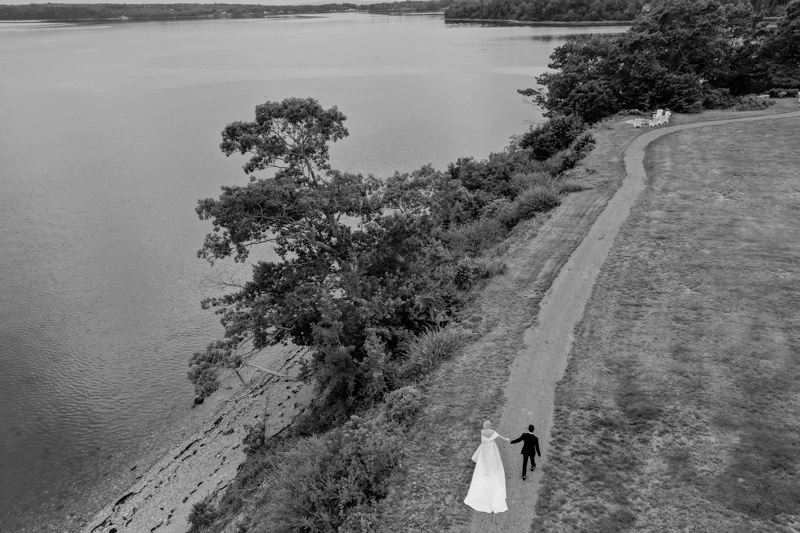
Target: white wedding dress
487 492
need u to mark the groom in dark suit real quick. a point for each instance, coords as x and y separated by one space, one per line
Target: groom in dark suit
530 448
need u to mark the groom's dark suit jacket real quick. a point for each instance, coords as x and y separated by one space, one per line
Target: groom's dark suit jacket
530 444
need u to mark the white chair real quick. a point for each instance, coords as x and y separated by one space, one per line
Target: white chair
658 114
665 120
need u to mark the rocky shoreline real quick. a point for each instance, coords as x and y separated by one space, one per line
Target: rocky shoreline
205 463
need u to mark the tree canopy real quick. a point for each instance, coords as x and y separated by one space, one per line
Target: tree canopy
359 265
364 265
546 10
568 10
683 54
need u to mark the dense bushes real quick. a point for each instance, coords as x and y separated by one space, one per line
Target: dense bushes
332 482
684 55
752 103
566 10
201 517
402 405
783 92
529 10
549 138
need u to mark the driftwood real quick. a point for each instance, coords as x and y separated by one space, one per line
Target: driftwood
268 371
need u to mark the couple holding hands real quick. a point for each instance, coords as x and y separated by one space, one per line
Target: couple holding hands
487 492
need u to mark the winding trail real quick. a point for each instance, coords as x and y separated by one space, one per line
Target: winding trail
542 359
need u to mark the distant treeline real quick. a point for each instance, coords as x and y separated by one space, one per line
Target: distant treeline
569 10
156 11
167 11
408 6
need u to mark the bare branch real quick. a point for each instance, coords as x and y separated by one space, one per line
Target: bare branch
268 371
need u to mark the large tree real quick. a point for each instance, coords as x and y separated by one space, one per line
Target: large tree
781 54
359 266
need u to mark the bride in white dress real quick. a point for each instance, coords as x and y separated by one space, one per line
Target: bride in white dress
487 492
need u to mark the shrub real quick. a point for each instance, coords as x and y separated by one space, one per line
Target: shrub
254 438
537 199
780 92
204 366
469 270
509 217
402 405
583 143
545 140
472 237
205 378
526 180
717 99
317 482
426 351
568 158
561 162
495 208
201 516
751 103
490 176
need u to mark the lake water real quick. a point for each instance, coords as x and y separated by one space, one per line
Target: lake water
108 136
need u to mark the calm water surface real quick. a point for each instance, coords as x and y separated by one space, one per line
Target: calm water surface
108 136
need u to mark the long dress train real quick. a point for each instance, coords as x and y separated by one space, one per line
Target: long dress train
487 492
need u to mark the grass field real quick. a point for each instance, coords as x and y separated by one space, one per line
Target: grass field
680 410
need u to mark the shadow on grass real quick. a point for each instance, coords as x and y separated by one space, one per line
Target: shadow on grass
762 479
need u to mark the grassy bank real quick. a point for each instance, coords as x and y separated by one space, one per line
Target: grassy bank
679 410
429 489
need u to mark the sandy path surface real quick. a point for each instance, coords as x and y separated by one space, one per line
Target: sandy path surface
543 357
209 460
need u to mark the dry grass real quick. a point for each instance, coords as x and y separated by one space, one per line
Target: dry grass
680 409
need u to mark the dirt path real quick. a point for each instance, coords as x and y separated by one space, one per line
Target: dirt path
542 360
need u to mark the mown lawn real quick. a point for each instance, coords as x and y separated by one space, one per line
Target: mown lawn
680 409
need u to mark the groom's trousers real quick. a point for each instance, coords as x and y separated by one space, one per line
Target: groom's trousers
525 458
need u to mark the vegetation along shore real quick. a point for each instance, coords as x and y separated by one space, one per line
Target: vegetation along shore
134 12
411 297
545 23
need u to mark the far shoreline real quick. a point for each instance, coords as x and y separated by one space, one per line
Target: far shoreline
545 23
496 22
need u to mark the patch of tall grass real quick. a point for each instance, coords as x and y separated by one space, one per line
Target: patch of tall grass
537 199
470 238
426 351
